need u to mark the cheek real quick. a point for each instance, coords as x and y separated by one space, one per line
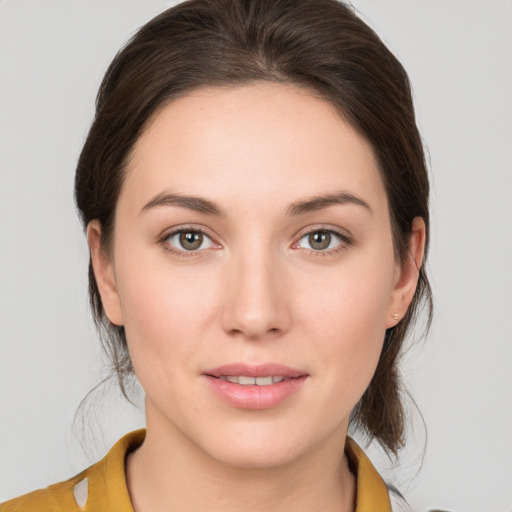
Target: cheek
165 310
350 300
345 317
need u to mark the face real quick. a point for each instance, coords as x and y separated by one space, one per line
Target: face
253 270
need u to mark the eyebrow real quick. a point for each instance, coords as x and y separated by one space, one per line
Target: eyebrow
201 205
325 201
194 203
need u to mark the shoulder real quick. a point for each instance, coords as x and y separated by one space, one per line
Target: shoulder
101 487
372 491
54 498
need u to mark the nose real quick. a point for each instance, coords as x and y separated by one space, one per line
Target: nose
256 305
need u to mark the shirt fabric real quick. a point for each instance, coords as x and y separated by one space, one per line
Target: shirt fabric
102 487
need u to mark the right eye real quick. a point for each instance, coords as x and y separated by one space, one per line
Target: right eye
320 240
189 240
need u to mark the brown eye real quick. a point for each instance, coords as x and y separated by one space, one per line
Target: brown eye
191 240
322 241
319 240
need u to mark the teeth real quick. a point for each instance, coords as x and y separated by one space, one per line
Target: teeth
246 381
253 381
263 381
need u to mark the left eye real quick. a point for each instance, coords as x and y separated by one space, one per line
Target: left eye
189 240
320 240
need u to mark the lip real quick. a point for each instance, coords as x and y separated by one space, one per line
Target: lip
254 396
255 370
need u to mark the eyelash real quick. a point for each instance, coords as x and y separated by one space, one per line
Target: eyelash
345 241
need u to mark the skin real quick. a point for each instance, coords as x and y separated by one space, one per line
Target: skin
256 292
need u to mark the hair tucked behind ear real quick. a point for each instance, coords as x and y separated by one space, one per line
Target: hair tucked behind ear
320 45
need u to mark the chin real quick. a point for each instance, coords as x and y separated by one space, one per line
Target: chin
257 447
255 457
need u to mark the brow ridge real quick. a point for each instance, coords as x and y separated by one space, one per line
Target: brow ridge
206 206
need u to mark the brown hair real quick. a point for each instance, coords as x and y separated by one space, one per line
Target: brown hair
320 45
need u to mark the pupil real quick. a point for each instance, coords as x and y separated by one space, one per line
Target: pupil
319 240
190 240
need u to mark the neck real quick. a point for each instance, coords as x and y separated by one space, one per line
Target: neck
168 472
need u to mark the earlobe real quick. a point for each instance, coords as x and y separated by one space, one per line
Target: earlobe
104 274
407 279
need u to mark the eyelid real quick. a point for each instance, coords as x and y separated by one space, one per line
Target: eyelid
341 232
184 227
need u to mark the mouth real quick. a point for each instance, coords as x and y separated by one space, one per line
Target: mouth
263 386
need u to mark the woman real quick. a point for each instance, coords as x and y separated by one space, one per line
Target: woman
255 199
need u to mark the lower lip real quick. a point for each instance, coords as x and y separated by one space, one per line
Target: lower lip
255 397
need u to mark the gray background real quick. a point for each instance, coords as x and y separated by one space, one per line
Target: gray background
459 57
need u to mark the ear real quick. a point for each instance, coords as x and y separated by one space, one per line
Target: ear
407 275
104 274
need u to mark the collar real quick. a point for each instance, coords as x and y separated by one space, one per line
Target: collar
372 493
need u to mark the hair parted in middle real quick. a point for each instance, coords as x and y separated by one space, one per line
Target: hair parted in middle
318 45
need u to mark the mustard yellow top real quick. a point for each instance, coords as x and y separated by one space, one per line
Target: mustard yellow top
105 488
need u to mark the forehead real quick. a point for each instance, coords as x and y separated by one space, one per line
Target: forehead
252 142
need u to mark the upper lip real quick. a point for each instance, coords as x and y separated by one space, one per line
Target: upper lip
255 370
